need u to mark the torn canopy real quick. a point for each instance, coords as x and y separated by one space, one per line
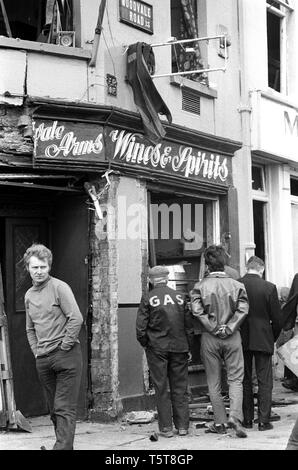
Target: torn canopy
140 59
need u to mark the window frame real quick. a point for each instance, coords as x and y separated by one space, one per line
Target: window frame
188 58
260 194
263 196
42 47
76 28
283 3
282 13
294 199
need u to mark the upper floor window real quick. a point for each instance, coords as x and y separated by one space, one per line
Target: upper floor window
49 21
184 25
278 12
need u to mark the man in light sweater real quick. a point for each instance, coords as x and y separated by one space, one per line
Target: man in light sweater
53 323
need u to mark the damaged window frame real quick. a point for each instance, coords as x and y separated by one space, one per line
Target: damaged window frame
52 22
278 12
194 54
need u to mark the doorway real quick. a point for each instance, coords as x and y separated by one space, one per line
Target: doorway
59 220
19 234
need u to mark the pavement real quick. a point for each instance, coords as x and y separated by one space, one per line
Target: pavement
122 436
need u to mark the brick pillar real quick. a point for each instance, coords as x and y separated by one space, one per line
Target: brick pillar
104 284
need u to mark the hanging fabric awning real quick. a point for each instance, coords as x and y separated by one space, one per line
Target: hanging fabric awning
140 59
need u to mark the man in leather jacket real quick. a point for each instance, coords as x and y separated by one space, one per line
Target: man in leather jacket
220 304
164 328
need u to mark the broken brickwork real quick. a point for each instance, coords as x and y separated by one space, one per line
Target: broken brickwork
12 141
104 343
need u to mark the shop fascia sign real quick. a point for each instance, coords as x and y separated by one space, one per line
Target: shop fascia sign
276 129
77 143
180 160
59 141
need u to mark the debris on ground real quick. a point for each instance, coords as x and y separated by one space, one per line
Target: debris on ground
198 405
140 417
202 424
200 414
153 437
284 402
201 399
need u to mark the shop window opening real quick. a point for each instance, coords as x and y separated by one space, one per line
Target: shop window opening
180 228
47 21
178 232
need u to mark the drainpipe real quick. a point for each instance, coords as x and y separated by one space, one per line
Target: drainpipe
246 233
98 29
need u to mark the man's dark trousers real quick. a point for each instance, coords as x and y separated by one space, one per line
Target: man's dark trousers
170 367
263 363
60 374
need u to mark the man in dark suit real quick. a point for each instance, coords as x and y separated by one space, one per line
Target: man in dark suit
259 331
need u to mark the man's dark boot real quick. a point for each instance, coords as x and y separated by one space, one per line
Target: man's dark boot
265 426
247 424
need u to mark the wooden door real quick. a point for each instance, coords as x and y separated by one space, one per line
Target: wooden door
70 246
20 233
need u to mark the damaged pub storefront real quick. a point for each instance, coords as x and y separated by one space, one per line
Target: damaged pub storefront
109 204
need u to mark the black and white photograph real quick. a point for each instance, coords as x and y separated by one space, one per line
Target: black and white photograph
149 228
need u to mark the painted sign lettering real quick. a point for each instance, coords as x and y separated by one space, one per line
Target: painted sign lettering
137 14
62 141
91 145
291 125
181 160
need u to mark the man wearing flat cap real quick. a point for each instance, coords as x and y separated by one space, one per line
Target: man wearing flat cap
164 328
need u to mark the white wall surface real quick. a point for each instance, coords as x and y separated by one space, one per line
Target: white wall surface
274 127
56 77
132 228
218 116
68 78
280 228
253 24
12 76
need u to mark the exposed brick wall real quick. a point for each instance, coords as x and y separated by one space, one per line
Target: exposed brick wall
104 294
11 136
104 343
